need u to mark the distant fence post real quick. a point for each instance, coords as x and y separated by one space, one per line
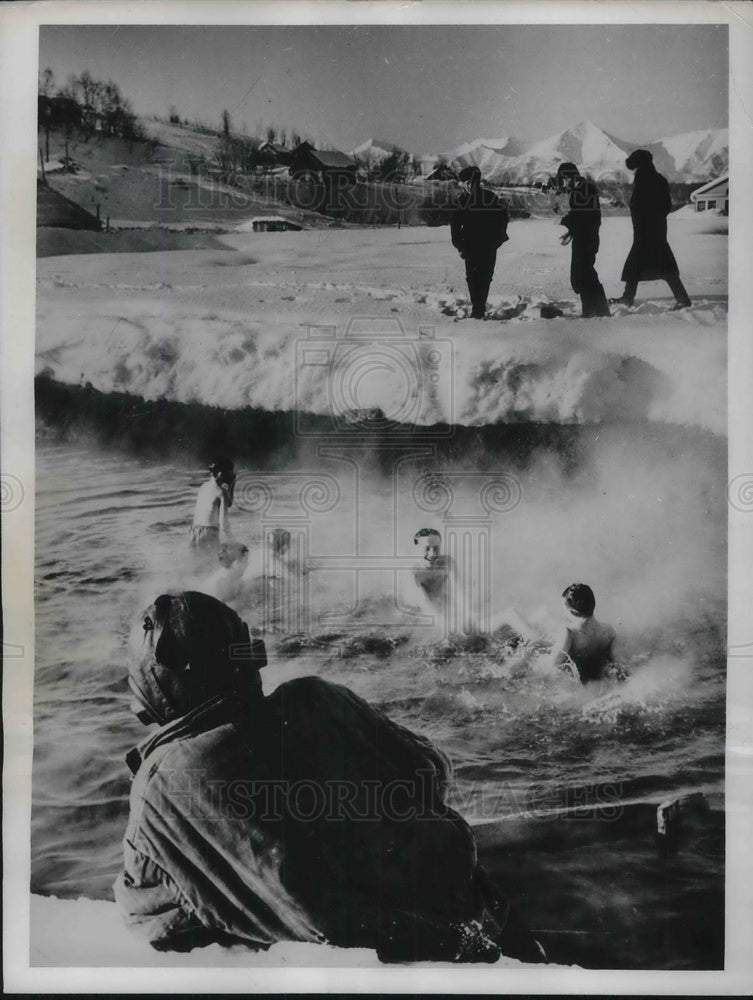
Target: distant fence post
107 230
41 163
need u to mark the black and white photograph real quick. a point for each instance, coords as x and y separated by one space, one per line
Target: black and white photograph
380 497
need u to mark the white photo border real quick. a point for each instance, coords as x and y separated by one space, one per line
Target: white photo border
19 46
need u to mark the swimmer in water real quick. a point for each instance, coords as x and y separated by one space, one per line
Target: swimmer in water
281 562
225 583
433 574
581 639
215 497
277 562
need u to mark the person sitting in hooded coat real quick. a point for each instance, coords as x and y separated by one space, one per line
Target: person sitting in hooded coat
650 257
306 815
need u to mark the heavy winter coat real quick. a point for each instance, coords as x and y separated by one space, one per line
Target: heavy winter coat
583 218
650 256
303 816
582 222
479 223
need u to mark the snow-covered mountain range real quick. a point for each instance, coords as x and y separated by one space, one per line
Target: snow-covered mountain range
689 157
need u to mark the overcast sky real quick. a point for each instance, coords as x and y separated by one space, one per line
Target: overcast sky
426 88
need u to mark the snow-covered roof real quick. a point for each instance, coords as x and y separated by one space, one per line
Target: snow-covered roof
709 187
332 158
275 147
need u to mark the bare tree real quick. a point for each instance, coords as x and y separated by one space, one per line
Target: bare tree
88 85
46 82
393 167
226 122
71 88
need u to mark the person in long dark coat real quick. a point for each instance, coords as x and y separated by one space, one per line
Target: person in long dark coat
582 222
306 815
478 229
650 257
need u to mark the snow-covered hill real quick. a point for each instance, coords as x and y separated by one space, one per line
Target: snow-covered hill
692 156
688 157
374 151
586 144
489 155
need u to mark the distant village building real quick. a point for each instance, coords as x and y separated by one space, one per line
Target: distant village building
56 111
273 155
322 164
713 196
273 224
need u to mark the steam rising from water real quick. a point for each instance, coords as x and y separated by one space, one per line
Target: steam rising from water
639 514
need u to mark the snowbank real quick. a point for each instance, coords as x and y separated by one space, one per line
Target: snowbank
346 320
90 933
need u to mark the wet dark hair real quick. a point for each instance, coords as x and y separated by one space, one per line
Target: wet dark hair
221 463
423 532
580 598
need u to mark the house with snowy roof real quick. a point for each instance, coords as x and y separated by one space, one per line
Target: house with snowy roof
323 164
713 196
274 154
271 224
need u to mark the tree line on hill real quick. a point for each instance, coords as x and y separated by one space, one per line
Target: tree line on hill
88 104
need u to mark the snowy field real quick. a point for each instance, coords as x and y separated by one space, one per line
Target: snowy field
228 328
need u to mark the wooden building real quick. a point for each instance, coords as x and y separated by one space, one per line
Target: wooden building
273 155
712 197
322 164
274 224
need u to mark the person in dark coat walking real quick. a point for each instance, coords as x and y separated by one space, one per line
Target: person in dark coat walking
478 230
582 223
650 257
